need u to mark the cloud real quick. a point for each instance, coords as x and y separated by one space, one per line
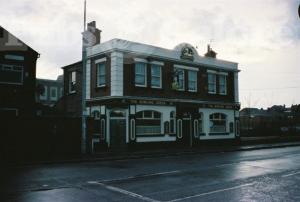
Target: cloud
262 36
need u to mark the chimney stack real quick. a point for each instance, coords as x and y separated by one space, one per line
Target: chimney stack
95 31
210 52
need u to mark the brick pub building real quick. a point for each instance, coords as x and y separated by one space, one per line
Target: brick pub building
138 93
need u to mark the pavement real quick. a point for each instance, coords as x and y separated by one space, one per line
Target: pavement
265 174
246 144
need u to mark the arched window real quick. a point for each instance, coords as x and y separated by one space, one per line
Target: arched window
217 123
172 122
148 123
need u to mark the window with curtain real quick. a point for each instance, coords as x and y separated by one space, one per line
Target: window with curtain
155 76
223 84
148 123
192 75
140 74
211 83
101 74
217 123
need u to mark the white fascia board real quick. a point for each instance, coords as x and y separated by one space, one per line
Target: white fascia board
100 60
157 63
186 67
140 60
216 72
153 51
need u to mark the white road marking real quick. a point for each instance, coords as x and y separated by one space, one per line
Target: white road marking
211 192
141 176
123 191
291 174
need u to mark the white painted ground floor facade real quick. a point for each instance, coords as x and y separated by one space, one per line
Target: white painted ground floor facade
120 123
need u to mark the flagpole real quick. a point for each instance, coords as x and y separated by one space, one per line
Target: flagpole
83 119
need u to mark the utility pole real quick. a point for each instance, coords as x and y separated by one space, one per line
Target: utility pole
83 118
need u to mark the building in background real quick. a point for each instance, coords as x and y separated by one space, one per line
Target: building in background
17 76
49 91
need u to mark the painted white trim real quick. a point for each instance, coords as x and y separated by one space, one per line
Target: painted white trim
206 121
223 73
157 63
236 87
140 60
116 76
179 130
166 138
132 129
102 109
212 71
153 51
186 67
100 60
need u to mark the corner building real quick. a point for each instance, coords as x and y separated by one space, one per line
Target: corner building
138 93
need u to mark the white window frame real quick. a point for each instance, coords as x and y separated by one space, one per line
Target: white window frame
101 64
215 83
219 119
160 76
71 81
145 67
150 118
53 98
225 84
196 81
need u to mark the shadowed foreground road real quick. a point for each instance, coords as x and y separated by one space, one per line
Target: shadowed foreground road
259 175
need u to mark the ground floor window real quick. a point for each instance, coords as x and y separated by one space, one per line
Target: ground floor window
217 123
148 123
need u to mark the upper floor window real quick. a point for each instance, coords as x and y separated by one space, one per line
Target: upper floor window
155 76
11 74
101 74
212 88
223 84
217 123
192 81
72 82
14 57
140 74
180 73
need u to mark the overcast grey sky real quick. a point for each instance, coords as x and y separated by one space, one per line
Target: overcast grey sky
263 36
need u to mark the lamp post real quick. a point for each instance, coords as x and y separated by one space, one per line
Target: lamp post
83 118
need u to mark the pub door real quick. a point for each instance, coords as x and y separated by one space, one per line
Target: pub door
117 130
186 131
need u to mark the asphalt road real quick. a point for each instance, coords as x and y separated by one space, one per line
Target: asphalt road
258 175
